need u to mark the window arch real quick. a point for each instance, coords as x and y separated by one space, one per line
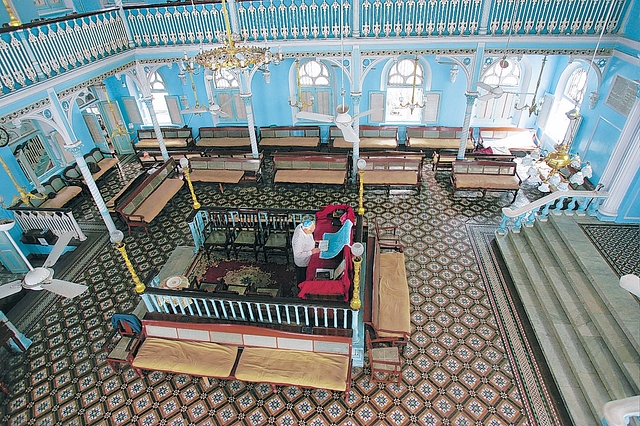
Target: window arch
159 101
507 75
226 93
315 86
405 83
571 93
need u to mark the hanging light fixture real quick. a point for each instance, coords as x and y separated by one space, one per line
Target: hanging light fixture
413 104
120 129
534 108
233 55
299 103
574 113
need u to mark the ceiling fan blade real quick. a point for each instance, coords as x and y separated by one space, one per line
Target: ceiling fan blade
484 86
65 288
497 91
58 248
193 110
8 289
314 117
367 112
348 133
486 96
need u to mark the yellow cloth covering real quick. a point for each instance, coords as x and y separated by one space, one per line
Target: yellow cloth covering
437 143
169 143
63 196
179 356
366 143
480 181
224 142
154 204
393 315
217 176
328 177
390 177
305 141
299 368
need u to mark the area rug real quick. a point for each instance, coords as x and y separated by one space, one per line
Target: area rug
543 405
253 276
619 245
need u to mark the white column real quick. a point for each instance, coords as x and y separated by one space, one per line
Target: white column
471 98
156 127
246 99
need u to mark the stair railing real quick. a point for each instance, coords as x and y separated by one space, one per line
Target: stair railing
581 203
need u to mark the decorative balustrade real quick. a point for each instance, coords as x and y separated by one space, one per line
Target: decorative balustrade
249 309
58 221
580 203
36 52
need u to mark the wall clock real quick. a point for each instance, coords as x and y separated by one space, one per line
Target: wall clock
4 137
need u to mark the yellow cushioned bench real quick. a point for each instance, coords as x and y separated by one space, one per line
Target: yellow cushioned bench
186 357
485 176
436 138
305 137
392 318
310 369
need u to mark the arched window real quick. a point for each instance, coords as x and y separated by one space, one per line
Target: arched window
405 84
505 74
571 95
226 93
315 84
159 101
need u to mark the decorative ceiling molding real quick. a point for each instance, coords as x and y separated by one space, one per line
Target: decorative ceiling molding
548 52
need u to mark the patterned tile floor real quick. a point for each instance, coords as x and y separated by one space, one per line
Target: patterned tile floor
458 368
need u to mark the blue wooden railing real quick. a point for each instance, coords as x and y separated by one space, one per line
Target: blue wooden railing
580 203
37 52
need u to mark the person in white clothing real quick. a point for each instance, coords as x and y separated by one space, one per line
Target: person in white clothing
303 246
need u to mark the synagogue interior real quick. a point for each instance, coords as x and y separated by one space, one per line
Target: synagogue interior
466 175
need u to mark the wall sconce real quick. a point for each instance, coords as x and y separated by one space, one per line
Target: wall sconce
357 250
116 238
184 163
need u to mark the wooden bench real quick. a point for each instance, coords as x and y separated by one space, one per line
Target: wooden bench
485 176
435 138
310 168
442 160
507 137
395 169
57 193
98 163
243 352
143 204
175 139
388 308
290 137
371 138
223 138
232 168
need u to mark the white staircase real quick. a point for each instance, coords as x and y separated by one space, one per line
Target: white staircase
588 327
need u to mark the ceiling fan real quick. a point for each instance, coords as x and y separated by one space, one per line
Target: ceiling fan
41 278
493 91
343 120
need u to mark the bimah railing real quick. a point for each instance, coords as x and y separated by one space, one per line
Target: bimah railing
58 221
580 202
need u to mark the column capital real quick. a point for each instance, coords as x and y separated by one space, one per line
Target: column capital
74 148
471 97
246 98
356 97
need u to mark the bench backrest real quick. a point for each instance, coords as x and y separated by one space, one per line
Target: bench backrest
246 163
393 162
436 132
289 131
95 155
491 133
246 336
485 167
387 132
224 132
130 204
167 133
309 162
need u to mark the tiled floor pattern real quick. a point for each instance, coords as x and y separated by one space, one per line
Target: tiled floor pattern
459 369
618 244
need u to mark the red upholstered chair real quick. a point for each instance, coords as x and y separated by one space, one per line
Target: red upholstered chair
384 360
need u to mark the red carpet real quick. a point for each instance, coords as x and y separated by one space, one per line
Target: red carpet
253 275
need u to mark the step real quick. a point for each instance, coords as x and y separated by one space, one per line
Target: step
575 401
614 337
622 306
574 294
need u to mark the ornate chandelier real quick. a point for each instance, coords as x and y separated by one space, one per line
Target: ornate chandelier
232 55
